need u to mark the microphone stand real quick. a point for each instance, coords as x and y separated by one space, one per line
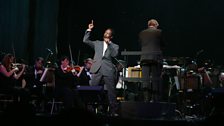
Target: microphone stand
47 59
119 62
44 75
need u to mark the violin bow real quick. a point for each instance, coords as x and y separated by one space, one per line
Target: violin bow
78 57
70 52
56 48
13 52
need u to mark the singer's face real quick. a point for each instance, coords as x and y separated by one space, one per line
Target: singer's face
107 34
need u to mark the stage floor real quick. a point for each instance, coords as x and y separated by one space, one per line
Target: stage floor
84 118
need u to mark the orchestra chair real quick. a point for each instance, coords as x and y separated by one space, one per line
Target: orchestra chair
5 100
55 103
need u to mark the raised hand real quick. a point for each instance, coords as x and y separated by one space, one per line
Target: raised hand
90 27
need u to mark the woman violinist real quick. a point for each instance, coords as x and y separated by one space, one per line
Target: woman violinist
10 73
10 77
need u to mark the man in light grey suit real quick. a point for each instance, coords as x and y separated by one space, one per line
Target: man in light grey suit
103 68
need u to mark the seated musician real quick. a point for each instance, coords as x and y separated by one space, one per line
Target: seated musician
65 84
10 76
85 75
33 76
35 86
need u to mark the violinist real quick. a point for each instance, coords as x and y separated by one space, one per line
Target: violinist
85 75
10 75
65 84
35 72
20 65
33 76
35 86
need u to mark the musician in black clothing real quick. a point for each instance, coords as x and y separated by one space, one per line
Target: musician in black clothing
9 73
152 46
35 85
33 76
65 84
10 77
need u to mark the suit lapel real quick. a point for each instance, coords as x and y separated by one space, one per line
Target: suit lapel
101 48
106 52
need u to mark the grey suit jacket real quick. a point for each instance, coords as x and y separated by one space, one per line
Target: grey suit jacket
99 61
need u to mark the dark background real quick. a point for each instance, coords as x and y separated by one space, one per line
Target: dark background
28 27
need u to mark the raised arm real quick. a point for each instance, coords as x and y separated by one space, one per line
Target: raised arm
86 38
5 72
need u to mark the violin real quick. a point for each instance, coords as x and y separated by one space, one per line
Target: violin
18 66
71 69
77 68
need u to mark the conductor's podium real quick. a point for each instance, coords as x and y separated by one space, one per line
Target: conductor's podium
94 97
